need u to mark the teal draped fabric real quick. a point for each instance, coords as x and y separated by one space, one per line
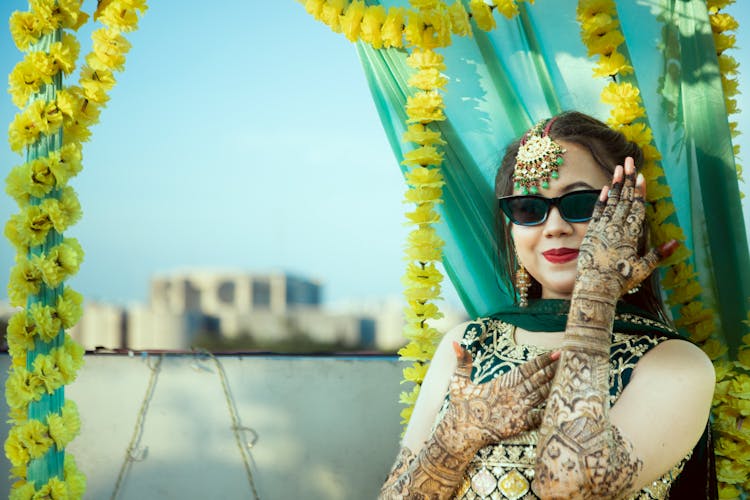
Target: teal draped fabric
535 66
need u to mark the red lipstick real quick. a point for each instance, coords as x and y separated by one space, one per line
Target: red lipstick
561 255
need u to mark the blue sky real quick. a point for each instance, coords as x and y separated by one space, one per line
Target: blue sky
239 138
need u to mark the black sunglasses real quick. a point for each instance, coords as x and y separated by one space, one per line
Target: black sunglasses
531 210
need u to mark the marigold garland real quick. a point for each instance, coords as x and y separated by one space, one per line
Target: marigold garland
598 20
50 128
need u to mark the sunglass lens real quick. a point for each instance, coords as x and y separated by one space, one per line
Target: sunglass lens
578 207
526 210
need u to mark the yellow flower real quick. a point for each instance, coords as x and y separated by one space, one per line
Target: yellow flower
406 414
423 155
23 491
47 372
416 351
65 53
659 211
121 15
23 81
47 323
416 372
482 14
418 311
69 308
508 8
15 450
730 86
372 24
423 214
53 490
613 64
331 12
35 225
678 275
62 428
20 331
684 293
46 115
25 280
393 27
437 30
422 135
351 21
730 472
728 65
23 131
25 28
21 388
694 312
460 24
314 7
658 191
724 370
18 182
423 194
75 479
425 107
428 79
426 59
96 84
638 133
740 387
422 334
424 4
424 176
743 357
33 435
728 492
597 25
724 42
424 245
415 25
418 275
701 331
723 22
71 16
605 44
60 262
681 254
69 359
409 398
589 8
651 171
714 349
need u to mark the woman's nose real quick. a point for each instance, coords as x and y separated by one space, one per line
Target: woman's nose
555 225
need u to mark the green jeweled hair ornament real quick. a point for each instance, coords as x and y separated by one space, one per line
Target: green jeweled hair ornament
538 159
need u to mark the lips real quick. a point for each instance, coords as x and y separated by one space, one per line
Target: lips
561 255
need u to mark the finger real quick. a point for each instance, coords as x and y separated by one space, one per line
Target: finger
600 203
644 267
463 360
537 364
613 197
540 379
640 186
628 190
534 418
540 395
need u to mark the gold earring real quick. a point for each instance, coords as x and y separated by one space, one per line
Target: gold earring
522 285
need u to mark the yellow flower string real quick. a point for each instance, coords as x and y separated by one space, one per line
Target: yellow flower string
52 124
427 25
600 32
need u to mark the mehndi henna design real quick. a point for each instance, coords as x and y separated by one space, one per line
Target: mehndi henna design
477 415
580 454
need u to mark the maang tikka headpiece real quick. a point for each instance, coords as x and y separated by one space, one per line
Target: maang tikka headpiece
538 159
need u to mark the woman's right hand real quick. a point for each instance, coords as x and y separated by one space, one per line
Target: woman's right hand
505 406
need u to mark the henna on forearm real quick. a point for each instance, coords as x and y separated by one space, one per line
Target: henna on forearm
436 471
477 415
580 454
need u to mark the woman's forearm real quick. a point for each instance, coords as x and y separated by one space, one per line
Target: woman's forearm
580 454
435 472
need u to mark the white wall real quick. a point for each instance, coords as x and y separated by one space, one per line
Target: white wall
328 427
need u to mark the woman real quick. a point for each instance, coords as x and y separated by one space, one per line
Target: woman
583 391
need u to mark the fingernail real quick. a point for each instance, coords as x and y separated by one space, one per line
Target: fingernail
668 248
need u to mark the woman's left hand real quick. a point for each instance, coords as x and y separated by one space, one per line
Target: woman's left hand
608 262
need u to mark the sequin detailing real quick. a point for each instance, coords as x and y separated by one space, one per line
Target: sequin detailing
506 470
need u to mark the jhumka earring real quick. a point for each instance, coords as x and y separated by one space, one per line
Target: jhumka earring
523 281
538 159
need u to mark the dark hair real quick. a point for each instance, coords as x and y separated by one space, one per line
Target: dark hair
609 148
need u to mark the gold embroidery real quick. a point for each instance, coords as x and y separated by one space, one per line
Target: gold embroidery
499 471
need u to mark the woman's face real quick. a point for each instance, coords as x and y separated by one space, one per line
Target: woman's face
549 251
